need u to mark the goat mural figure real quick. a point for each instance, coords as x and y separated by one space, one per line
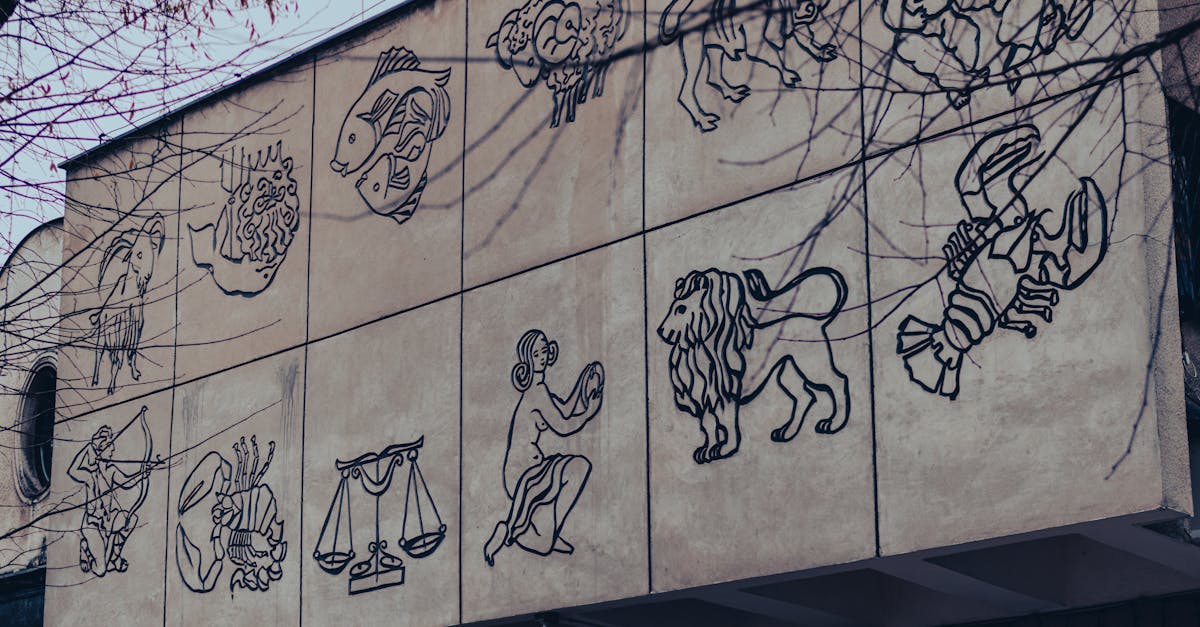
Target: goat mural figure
1007 262
125 272
566 44
724 38
716 367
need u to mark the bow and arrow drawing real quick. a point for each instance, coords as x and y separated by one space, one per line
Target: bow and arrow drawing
108 516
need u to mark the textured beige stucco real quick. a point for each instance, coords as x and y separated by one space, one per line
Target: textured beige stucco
385 384
415 261
376 330
535 193
264 117
586 304
25 279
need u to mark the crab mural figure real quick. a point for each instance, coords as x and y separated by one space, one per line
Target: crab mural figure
244 516
1008 262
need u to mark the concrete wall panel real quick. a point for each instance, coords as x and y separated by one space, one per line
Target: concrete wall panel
726 512
1019 396
106 558
541 187
786 108
391 383
371 227
1006 58
245 224
591 307
226 498
119 293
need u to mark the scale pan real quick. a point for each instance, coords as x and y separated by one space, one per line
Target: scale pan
333 562
424 544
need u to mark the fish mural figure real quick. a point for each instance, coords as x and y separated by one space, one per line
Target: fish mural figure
387 135
257 225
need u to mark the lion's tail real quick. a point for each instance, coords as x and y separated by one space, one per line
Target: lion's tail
670 20
757 286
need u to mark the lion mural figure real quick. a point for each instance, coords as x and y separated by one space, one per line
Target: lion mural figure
717 368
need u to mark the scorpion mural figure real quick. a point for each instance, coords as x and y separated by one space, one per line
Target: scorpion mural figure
246 529
1007 261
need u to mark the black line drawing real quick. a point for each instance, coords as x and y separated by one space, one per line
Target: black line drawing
389 132
1007 261
714 371
566 44
543 488
107 520
419 536
723 38
257 225
960 45
243 517
125 272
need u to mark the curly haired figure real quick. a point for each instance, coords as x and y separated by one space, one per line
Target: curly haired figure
543 488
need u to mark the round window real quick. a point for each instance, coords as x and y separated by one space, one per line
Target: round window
36 429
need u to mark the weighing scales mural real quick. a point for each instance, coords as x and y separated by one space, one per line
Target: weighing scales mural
420 531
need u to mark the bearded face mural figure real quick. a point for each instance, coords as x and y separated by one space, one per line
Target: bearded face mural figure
256 226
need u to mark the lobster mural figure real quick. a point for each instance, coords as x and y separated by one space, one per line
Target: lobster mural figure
1007 262
246 529
125 272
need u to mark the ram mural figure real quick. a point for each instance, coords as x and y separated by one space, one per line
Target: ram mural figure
568 45
125 272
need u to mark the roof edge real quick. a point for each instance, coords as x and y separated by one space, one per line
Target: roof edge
203 98
59 222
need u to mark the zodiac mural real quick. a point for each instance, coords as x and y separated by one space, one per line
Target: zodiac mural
241 518
1006 261
257 225
115 490
421 529
716 368
960 45
125 272
388 133
542 487
724 38
567 44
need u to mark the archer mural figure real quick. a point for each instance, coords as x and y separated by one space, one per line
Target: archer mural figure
543 488
108 517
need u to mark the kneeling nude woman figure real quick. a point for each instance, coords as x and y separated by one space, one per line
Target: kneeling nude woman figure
543 487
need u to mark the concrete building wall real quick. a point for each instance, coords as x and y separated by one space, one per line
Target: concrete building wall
427 287
29 285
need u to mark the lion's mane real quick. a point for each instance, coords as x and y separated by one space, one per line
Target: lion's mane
707 360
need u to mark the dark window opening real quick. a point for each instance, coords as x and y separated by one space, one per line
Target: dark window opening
36 428
1184 125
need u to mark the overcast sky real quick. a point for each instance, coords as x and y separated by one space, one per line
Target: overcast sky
315 21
